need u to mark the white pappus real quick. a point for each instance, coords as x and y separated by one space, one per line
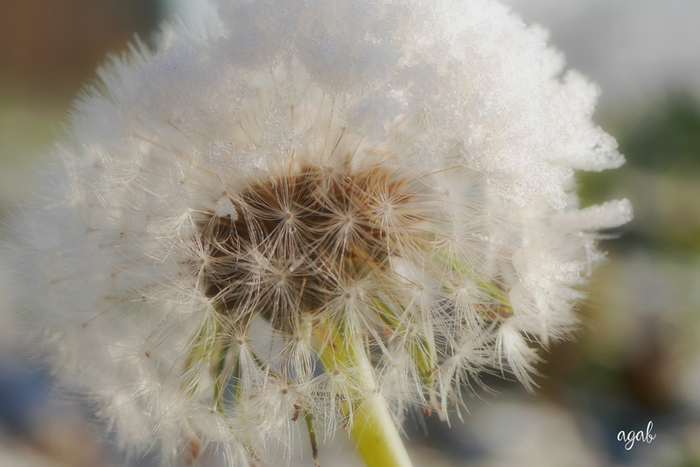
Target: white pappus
227 211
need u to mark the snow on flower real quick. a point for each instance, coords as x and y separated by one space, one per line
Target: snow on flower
295 180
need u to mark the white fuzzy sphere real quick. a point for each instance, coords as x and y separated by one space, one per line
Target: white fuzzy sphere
398 170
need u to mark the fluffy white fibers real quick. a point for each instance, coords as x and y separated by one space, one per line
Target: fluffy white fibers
394 176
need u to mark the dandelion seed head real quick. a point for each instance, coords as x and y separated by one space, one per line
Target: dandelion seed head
394 173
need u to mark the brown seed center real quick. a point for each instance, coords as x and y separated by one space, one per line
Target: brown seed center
342 232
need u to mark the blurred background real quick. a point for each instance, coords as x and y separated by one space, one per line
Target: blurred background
636 361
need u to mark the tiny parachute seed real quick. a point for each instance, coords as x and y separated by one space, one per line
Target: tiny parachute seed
342 236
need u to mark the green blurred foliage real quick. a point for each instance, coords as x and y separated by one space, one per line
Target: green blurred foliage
662 176
667 139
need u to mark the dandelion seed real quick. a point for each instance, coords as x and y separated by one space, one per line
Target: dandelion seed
321 214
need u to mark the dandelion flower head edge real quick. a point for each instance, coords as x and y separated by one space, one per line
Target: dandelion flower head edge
235 215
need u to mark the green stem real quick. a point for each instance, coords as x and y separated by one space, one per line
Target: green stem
313 438
376 436
372 426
